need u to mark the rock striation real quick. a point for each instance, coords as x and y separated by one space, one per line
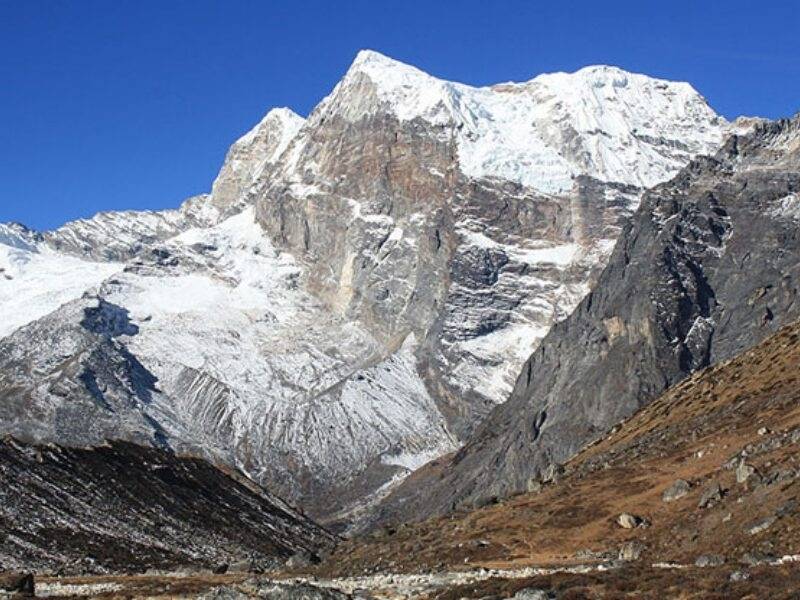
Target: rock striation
120 507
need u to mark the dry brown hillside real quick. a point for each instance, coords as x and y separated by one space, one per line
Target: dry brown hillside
739 419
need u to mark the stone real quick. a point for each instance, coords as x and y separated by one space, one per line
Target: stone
755 558
629 521
534 486
589 554
709 560
737 576
712 494
552 473
678 489
744 471
763 431
761 525
631 550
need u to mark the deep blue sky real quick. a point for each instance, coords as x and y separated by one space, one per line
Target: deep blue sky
132 104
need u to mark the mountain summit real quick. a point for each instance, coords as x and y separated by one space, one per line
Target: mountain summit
599 121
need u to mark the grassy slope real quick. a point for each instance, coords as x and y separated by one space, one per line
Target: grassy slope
691 432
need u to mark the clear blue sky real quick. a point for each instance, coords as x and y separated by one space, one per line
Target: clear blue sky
132 104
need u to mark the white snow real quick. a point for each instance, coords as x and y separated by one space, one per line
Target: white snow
268 358
532 253
601 121
414 460
787 208
35 280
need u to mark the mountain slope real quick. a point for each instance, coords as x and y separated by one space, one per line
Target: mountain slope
736 424
121 508
360 289
708 267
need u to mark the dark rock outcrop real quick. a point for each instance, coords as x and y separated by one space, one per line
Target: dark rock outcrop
709 266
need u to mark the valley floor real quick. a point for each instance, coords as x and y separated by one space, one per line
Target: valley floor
620 580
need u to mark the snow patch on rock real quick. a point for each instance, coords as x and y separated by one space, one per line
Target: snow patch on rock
602 121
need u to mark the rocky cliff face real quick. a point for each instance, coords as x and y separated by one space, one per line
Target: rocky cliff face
359 290
709 266
474 218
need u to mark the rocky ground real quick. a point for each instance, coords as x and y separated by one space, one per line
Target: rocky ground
122 508
610 580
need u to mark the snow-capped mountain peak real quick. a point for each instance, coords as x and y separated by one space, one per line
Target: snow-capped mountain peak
599 121
359 288
251 155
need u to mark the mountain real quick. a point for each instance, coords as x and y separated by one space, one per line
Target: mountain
707 473
120 507
708 266
359 290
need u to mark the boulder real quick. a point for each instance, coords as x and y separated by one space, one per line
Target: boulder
631 550
755 558
19 583
629 521
746 473
678 489
712 494
761 525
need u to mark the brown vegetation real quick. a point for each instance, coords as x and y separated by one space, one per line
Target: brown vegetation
696 432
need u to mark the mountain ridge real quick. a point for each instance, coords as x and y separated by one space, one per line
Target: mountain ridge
351 300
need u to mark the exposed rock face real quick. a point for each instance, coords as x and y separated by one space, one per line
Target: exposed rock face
358 291
117 236
122 507
252 158
473 217
94 388
709 266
